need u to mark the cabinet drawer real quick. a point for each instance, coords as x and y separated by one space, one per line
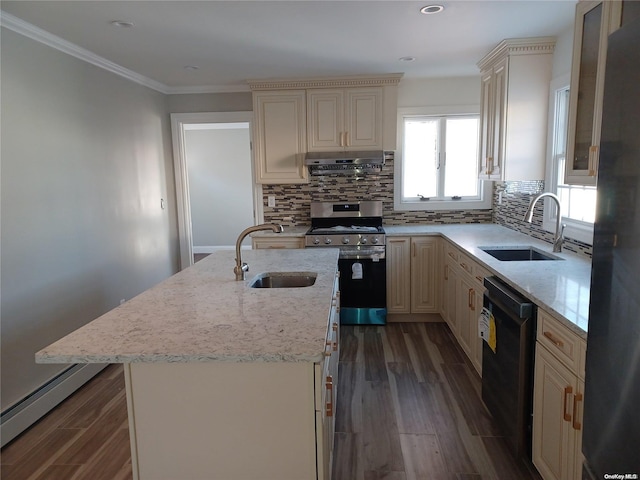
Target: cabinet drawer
281 242
559 340
478 275
466 263
451 252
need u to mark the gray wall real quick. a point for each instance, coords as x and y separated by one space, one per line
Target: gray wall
210 102
220 184
86 159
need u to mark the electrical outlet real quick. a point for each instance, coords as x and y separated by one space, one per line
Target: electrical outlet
271 201
499 198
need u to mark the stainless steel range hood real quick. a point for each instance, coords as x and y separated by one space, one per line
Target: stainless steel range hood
346 163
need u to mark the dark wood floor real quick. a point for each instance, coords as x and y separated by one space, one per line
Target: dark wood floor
409 408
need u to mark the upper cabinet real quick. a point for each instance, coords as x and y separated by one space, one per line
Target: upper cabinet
594 22
279 136
344 119
514 74
292 117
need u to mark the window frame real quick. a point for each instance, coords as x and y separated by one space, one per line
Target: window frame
575 229
400 204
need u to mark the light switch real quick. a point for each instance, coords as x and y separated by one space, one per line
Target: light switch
271 200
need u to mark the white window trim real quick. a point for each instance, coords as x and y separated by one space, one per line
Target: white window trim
581 231
434 205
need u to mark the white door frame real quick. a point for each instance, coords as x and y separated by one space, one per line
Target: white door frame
178 121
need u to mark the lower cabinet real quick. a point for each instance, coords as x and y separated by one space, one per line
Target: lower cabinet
326 379
412 280
462 292
558 400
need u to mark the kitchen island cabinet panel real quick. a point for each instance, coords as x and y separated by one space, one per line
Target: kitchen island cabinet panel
225 420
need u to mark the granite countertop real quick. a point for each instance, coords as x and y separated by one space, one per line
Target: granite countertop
203 314
559 287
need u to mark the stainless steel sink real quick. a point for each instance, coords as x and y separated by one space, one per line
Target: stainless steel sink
284 280
518 254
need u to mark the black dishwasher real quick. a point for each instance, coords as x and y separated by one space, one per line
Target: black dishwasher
507 372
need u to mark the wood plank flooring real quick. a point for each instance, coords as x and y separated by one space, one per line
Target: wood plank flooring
408 408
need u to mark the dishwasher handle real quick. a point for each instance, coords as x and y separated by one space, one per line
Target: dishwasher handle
512 300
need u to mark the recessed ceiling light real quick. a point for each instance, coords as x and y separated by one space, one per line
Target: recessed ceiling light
191 67
122 23
431 9
407 59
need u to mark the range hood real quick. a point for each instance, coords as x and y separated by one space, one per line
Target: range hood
346 163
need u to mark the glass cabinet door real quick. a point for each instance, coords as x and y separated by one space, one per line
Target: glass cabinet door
594 22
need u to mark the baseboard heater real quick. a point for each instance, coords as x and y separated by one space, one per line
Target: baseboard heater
21 415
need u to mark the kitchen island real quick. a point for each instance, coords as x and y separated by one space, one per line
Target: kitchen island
223 380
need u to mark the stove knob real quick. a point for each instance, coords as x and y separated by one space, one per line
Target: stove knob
316 241
345 240
327 241
363 240
375 240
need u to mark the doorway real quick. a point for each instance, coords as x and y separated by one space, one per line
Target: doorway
215 191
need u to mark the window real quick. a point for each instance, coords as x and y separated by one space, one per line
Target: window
436 166
578 202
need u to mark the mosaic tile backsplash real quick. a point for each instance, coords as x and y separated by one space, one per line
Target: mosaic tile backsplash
293 204
516 197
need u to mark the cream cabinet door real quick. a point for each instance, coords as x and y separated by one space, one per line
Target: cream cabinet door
325 125
398 275
557 395
593 23
280 136
344 119
424 287
363 118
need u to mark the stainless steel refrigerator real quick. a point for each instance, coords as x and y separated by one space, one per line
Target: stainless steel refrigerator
611 437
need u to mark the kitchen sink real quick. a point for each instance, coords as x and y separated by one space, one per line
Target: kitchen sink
284 280
518 254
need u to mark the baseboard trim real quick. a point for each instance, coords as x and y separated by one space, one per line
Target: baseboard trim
33 407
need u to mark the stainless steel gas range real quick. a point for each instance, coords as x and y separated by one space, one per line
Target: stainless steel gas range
356 229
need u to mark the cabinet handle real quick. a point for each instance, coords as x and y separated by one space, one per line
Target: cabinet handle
593 154
463 265
577 398
327 351
469 298
489 165
446 272
329 386
472 299
335 326
556 341
451 255
479 278
567 391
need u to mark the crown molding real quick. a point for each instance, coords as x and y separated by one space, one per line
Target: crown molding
326 82
31 31
208 89
519 46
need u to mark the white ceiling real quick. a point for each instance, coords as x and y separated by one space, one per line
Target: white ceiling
232 41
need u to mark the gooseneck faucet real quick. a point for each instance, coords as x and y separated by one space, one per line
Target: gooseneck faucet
241 267
528 217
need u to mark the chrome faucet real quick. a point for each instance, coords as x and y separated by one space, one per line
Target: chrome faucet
528 217
241 267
